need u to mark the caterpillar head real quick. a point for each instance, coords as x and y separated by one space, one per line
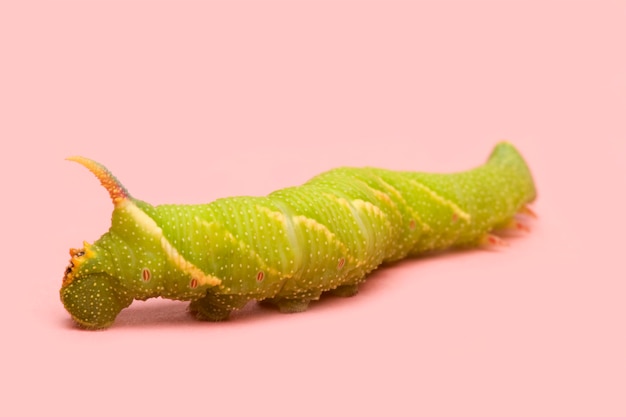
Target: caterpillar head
92 296
105 277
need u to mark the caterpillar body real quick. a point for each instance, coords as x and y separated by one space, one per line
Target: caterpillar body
289 247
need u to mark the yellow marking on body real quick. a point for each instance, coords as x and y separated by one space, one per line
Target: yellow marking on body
290 233
359 205
443 201
332 238
367 207
391 189
398 195
276 215
379 195
258 259
370 209
186 266
315 225
383 196
339 200
280 217
243 247
201 222
149 225
357 212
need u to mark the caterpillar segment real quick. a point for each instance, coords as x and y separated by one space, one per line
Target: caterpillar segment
287 248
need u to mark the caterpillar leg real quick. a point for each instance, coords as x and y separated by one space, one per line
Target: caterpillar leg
527 211
517 225
347 290
218 307
492 240
293 304
521 220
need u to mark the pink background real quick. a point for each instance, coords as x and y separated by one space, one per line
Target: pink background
187 102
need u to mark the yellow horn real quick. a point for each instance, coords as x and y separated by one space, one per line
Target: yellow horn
116 190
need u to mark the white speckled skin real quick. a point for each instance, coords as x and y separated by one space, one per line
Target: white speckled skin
291 246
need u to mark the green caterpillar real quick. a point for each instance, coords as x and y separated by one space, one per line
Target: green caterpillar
291 246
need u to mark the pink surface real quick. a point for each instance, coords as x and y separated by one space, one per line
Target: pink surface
187 102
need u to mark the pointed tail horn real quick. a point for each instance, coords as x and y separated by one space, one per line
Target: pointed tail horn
116 190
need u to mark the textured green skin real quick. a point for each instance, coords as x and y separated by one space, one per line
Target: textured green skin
291 246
